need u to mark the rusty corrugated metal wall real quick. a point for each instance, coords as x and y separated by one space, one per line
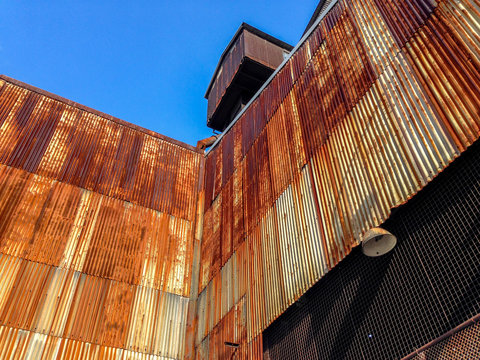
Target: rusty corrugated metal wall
378 100
97 233
101 221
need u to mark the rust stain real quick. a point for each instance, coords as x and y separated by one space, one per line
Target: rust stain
44 136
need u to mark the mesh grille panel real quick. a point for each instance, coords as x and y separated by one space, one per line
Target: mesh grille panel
384 308
463 345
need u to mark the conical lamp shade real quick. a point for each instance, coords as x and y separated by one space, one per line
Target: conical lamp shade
377 242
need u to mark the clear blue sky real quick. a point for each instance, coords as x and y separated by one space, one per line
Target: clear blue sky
146 62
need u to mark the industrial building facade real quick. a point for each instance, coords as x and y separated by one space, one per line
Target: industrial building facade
119 243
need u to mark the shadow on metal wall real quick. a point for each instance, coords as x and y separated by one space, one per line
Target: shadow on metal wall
386 307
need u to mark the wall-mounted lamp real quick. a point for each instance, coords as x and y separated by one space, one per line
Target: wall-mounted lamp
378 242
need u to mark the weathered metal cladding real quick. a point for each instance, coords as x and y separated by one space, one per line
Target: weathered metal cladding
59 224
99 233
247 45
135 254
261 50
43 301
226 73
377 101
274 265
51 138
224 292
22 344
231 330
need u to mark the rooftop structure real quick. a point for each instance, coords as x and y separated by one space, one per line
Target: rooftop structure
249 59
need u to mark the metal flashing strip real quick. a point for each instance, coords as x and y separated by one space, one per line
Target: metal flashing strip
269 80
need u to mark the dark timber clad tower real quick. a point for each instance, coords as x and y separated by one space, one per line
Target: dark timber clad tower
247 62
119 243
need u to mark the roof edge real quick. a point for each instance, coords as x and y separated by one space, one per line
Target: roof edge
253 30
266 36
315 15
99 113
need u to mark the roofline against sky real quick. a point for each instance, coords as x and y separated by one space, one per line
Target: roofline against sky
99 113
253 30
269 80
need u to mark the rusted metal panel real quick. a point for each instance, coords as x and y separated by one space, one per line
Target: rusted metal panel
50 138
215 348
218 184
248 47
22 344
192 320
101 219
238 214
209 181
226 72
62 225
261 50
21 85
41 300
404 17
278 261
226 242
98 232
232 330
377 101
222 293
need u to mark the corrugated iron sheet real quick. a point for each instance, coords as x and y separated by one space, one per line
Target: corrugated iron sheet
56 140
263 52
378 100
21 344
232 329
99 233
40 301
50 222
102 221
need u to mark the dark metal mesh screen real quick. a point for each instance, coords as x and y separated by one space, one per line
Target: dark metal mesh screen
385 308
464 345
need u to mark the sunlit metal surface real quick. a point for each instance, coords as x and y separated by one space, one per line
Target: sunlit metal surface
109 231
21 344
378 100
98 233
248 43
63 142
